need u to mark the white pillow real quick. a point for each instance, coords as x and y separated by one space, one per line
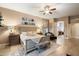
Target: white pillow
24 33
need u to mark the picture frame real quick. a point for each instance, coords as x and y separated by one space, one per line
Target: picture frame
28 21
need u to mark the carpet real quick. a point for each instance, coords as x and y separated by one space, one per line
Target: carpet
43 52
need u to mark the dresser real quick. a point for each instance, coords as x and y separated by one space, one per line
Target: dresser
14 39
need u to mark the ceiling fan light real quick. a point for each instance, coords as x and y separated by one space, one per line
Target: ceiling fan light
46 11
50 12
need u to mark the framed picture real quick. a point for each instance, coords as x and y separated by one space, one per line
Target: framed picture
27 21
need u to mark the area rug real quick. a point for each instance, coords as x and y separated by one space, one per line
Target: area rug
43 52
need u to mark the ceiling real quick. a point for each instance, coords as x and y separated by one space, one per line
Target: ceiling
62 9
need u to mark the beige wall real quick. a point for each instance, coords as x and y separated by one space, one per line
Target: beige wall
3 35
52 26
13 18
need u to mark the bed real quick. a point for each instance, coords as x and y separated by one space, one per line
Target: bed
29 41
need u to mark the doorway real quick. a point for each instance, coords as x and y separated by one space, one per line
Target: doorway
60 32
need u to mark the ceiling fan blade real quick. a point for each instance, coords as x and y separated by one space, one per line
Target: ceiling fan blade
41 11
44 13
53 9
50 12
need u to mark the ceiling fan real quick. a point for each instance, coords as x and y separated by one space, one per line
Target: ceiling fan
47 10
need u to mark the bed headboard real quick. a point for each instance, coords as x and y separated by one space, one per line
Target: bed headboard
26 28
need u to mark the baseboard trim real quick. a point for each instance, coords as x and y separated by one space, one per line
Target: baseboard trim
75 37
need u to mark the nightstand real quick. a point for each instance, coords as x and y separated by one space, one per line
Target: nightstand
14 39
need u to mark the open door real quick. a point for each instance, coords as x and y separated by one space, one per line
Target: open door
60 32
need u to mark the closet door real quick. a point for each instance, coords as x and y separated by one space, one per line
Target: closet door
75 30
